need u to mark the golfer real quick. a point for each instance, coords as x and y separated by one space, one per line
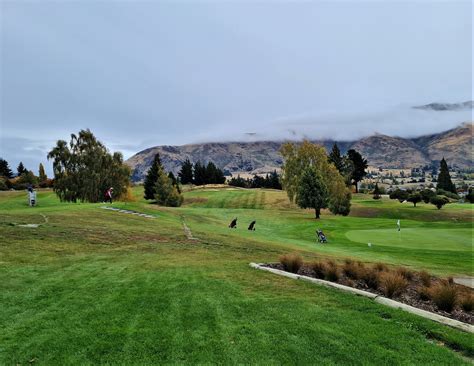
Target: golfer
108 194
398 224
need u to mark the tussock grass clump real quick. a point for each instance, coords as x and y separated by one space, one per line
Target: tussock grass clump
371 277
291 262
319 269
392 284
467 302
380 267
424 293
354 270
444 295
425 278
332 271
405 273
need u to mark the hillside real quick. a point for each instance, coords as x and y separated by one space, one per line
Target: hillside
262 157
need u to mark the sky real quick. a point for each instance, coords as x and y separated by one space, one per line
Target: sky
147 73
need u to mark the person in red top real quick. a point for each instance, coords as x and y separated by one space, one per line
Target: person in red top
108 194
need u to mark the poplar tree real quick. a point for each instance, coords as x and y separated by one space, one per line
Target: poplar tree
41 173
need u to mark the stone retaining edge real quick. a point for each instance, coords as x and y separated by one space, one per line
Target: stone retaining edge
379 299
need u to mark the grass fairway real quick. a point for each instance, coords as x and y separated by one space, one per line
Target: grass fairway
92 286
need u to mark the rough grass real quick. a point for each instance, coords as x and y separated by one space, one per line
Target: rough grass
97 287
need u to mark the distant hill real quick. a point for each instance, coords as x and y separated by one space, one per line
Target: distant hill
262 157
447 106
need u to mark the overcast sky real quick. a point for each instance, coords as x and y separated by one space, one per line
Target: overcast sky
140 74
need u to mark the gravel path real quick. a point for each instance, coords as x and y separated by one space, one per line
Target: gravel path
130 212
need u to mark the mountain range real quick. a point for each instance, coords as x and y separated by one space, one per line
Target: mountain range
380 150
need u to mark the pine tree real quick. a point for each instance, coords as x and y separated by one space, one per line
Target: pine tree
5 170
151 178
312 191
186 173
444 178
42 174
21 169
200 174
336 158
360 164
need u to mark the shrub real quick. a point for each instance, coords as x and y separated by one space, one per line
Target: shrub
392 284
467 302
332 272
425 278
444 295
371 278
291 262
424 293
405 273
319 269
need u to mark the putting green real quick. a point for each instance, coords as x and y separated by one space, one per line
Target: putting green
415 238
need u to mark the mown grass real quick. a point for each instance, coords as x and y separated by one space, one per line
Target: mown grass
93 286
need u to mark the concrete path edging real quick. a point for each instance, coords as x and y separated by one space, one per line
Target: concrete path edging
379 299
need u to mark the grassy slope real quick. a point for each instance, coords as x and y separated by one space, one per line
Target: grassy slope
94 286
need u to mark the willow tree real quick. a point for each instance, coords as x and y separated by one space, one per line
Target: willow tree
84 169
299 157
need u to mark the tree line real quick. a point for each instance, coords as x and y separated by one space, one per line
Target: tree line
200 174
23 178
272 180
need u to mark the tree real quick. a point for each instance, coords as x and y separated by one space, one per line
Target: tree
42 174
21 169
84 169
359 166
239 182
273 180
165 193
439 201
200 174
336 158
399 195
376 192
414 198
174 181
426 195
186 173
151 178
5 170
312 191
213 174
444 178
299 157
470 195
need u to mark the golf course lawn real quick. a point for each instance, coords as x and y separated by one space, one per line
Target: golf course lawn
91 286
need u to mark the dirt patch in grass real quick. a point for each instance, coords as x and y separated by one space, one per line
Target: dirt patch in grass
413 292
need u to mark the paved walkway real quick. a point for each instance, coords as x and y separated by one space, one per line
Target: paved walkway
465 281
130 212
